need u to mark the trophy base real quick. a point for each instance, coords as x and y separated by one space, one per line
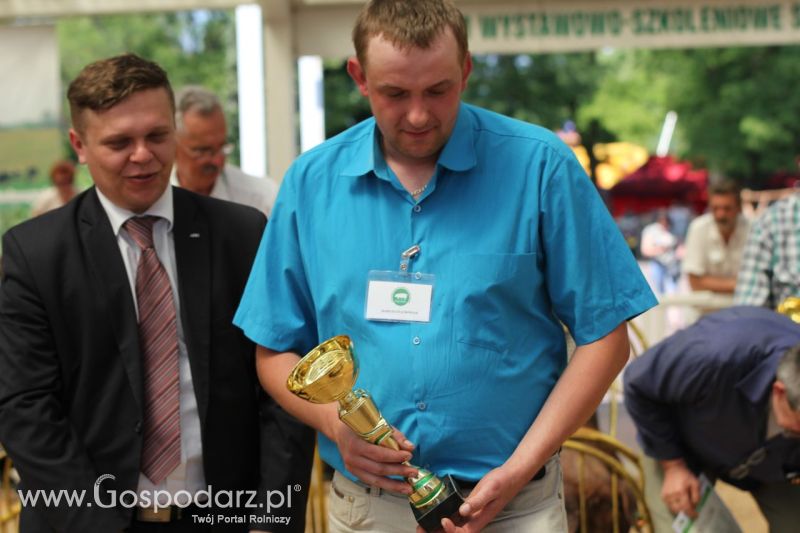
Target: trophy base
431 519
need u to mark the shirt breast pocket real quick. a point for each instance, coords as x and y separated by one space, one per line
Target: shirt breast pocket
494 295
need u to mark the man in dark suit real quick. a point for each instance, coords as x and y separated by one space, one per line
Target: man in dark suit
722 397
120 369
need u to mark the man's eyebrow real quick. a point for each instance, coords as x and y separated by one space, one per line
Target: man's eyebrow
115 137
438 85
441 85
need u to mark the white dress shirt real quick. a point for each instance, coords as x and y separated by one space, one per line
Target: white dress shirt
189 475
235 186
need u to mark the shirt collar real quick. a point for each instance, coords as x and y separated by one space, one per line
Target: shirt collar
220 188
457 155
363 160
757 384
118 215
173 176
459 152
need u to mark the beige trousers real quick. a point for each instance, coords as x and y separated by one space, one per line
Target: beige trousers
539 506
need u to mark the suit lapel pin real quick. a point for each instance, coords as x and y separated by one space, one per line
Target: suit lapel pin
194 235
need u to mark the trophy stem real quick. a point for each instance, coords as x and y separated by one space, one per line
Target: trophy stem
358 411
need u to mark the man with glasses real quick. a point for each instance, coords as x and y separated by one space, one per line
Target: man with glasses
200 165
722 397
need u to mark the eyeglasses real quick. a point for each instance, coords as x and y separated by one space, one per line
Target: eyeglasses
743 470
204 152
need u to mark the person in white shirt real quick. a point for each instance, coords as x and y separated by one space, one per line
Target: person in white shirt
661 247
715 241
200 165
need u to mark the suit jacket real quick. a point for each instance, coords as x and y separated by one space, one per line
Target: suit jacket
71 386
703 394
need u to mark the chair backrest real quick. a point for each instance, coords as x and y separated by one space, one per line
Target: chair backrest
612 462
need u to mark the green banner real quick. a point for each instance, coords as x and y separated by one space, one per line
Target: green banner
635 22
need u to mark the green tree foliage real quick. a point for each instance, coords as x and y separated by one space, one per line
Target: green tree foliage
737 107
543 89
627 100
194 47
344 105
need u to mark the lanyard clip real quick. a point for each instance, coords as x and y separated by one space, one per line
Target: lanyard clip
406 256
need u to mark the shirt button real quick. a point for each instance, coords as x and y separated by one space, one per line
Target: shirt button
137 427
422 406
416 340
417 208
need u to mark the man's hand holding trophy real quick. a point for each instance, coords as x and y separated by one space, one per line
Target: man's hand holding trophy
327 374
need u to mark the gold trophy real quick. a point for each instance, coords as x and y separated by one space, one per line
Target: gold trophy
327 374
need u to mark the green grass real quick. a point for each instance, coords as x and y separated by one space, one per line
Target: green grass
13 214
26 156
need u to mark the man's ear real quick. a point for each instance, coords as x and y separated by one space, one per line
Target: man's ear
77 144
357 73
466 70
780 402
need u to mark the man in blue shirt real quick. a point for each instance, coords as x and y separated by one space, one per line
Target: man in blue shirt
722 397
506 239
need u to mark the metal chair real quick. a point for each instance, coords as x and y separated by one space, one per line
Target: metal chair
317 511
9 504
613 455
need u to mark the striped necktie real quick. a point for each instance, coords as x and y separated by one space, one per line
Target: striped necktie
158 338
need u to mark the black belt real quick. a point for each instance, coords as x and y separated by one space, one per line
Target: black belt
463 484
162 515
469 485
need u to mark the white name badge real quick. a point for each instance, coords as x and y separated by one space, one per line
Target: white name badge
399 296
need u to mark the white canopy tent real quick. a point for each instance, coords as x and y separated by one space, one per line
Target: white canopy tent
295 28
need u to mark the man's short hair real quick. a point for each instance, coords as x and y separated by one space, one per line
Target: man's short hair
788 373
103 84
725 186
196 99
407 24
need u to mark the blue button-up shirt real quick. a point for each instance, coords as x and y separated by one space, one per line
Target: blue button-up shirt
516 238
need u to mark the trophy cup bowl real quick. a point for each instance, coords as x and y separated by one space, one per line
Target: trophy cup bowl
327 374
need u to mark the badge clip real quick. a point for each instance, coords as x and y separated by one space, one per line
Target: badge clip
406 257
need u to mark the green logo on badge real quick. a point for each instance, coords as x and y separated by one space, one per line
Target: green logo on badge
400 296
